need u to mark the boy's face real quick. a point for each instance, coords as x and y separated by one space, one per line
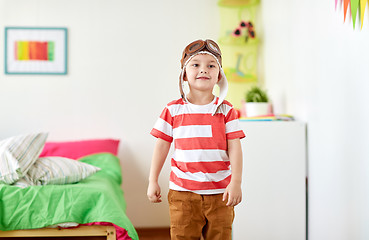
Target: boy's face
202 72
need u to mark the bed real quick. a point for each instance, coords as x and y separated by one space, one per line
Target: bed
95 203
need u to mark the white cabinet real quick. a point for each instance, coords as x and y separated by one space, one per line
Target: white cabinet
274 193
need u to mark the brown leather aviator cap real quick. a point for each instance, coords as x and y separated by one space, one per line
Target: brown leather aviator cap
201 45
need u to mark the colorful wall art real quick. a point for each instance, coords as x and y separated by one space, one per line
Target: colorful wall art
35 50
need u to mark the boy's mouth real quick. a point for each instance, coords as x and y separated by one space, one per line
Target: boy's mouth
203 78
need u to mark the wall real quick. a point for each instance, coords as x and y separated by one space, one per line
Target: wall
124 64
316 68
124 67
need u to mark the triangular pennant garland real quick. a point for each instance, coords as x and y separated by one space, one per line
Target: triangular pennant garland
345 6
362 10
355 6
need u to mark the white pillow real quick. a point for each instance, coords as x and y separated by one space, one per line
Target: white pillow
17 154
23 182
59 170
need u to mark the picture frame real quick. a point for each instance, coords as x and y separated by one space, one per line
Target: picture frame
36 50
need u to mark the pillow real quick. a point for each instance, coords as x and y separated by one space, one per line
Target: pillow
23 182
17 154
78 149
59 170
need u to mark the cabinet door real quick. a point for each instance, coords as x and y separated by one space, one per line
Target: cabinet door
274 192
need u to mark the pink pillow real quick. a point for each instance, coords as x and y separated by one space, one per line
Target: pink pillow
78 149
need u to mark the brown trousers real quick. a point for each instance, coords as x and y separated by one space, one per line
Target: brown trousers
193 215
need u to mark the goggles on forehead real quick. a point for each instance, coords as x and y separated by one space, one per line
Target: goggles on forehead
200 45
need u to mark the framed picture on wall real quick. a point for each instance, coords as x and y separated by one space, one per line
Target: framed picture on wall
35 50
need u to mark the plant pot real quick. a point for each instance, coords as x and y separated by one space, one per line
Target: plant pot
254 109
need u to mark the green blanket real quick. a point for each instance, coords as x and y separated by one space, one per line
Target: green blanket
98 198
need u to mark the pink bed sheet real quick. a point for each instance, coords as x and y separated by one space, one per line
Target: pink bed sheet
122 234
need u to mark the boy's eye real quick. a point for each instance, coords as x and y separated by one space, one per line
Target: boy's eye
195 65
211 66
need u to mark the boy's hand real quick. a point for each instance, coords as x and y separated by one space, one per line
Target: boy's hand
153 192
234 194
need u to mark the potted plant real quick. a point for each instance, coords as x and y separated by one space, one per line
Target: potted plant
257 102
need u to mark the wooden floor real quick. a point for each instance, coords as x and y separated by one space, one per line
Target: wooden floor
153 233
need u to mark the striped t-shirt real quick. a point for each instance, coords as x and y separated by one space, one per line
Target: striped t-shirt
200 162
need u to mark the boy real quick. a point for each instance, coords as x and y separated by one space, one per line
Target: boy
207 145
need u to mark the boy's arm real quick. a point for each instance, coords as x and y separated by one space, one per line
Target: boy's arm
160 153
233 190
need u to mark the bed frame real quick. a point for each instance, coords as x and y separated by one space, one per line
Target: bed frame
82 232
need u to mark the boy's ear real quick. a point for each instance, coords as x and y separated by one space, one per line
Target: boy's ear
184 76
219 76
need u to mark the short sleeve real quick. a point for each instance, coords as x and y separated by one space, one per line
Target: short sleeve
163 127
233 129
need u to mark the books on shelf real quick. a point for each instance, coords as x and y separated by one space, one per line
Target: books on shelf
272 117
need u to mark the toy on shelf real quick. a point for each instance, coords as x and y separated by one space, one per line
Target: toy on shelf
249 30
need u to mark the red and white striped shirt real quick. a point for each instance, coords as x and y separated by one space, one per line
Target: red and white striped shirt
200 162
